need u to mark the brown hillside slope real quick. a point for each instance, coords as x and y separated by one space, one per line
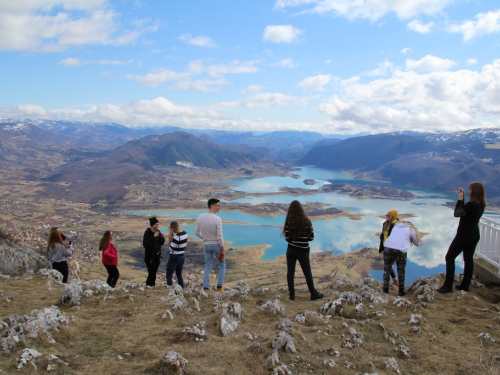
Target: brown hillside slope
123 331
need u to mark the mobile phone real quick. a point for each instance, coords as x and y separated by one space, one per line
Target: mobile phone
69 242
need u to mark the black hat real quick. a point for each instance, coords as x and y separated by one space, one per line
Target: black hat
152 221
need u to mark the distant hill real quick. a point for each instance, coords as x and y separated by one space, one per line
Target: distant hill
441 162
107 176
285 145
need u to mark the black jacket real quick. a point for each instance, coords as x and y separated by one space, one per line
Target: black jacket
381 246
152 246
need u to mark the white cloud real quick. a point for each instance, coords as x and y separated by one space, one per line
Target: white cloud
315 83
40 26
252 89
406 50
286 63
429 63
113 62
367 9
185 79
155 79
445 101
200 85
384 68
70 61
234 67
161 111
200 40
483 24
471 62
419 27
265 100
281 34
74 61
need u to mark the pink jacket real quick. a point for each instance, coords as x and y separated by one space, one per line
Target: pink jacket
110 256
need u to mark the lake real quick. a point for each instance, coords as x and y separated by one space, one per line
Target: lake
340 235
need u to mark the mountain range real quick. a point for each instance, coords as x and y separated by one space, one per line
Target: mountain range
438 161
71 156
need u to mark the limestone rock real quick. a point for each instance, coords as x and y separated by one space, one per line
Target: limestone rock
273 358
232 315
16 260
274 307
197 332
27 356
174 360
72 293
391 364
284 342
18 330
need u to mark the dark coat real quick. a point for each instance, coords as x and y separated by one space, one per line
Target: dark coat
381 246
152 246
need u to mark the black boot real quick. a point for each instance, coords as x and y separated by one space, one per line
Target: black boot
445 289
316 296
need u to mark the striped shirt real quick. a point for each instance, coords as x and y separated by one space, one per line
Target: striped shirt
178 243
300 243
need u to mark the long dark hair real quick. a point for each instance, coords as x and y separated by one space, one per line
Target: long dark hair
478 193
104 242
297 222
54 237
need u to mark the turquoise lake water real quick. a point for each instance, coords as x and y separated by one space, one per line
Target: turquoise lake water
341 235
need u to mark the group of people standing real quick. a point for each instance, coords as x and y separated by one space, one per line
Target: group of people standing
395 239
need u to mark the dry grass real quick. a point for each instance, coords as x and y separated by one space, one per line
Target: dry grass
134 329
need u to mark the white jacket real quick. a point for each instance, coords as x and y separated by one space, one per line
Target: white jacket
400 237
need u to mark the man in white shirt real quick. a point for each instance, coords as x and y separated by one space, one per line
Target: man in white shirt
209 229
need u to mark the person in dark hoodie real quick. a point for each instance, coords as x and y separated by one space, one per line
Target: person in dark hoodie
152 241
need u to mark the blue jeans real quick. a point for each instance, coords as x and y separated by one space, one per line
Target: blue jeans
175 265
210 251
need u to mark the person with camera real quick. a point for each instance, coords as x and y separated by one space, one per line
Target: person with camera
467 236
58 253
152 241
109 258
178 242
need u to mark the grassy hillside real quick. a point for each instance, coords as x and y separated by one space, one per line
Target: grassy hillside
123 331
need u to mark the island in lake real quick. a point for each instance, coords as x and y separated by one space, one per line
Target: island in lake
310 181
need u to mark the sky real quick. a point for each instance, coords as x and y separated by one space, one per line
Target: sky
330 66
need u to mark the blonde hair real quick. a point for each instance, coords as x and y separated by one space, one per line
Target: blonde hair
415 229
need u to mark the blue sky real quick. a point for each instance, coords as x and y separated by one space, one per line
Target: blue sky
331 66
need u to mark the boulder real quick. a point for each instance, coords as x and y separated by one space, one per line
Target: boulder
16 260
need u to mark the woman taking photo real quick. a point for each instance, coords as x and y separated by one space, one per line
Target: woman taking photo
298 231
467 236
109 258
58 252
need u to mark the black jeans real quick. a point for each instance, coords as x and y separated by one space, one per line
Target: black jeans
460 243
391 255
292 256
152 269
62 267
113 275
175 263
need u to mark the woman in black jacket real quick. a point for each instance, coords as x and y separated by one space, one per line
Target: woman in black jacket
152 241
467 236
298 231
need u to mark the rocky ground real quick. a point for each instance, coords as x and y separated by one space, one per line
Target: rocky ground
86 327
